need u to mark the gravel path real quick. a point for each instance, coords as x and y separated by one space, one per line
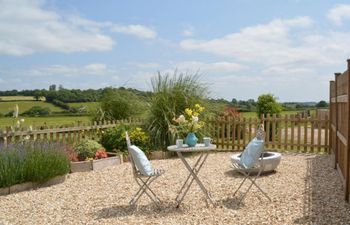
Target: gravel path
304 190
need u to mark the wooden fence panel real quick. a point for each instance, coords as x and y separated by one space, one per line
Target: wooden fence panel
339 135
281 133
69 135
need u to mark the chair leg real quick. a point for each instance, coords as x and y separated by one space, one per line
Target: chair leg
253 182
147 188
245 178
144 188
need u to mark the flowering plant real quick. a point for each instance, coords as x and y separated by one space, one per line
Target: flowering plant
189 122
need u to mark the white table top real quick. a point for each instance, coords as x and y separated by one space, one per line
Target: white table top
197 148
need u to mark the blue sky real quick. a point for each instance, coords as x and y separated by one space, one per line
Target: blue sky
241 48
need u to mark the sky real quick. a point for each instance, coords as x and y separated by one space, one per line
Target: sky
240 48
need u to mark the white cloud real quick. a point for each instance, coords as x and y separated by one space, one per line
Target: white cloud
137 30
147 65
26 28
279 43
69 71
188 31
339 13
221 66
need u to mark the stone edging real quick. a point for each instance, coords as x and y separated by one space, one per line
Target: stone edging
32 185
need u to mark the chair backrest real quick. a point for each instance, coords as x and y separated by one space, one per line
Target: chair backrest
128 143
252 153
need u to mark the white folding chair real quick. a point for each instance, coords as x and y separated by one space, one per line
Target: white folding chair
143 176
251 163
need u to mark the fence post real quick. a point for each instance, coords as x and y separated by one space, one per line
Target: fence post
347 176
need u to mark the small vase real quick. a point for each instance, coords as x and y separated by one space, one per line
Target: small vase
191 139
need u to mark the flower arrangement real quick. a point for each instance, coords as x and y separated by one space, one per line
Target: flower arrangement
189 122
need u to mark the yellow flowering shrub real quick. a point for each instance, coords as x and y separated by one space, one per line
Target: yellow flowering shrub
188 122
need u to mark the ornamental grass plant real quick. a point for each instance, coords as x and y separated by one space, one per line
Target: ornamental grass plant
172 94
35 161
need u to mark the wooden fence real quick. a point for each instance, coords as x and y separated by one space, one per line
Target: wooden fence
287 133
339 126
69 135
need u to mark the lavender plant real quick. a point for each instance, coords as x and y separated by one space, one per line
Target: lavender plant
35 161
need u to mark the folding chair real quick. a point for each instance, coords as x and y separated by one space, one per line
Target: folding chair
143 173
250 164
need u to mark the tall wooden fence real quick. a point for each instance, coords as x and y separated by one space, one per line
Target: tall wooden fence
339 126
69 135
287 133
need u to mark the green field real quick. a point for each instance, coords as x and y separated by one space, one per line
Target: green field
254 115
17 98
91 106
45 121
6 107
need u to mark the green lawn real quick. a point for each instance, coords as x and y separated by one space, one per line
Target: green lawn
6 107
48 121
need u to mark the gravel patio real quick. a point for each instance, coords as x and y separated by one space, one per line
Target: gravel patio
304 190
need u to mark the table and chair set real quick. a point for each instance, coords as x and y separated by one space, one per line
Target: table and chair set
144 174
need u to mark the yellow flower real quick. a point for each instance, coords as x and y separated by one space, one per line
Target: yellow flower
196 114
188 111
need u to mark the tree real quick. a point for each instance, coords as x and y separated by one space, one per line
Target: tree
234 102
52 87
118 104
322 104
267 104
37 95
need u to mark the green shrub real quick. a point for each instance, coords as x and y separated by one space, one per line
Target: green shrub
37 111
60 104
140 138
267 104
87 149
114 138
31 161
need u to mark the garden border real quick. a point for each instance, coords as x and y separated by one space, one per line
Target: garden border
32 185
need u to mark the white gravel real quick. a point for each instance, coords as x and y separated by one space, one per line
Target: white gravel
304 190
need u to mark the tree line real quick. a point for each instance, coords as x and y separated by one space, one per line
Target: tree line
69 95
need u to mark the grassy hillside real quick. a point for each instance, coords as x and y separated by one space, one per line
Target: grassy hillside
17 98
6 107
48 121
91 106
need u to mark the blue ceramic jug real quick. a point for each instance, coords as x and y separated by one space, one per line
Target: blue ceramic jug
191 139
